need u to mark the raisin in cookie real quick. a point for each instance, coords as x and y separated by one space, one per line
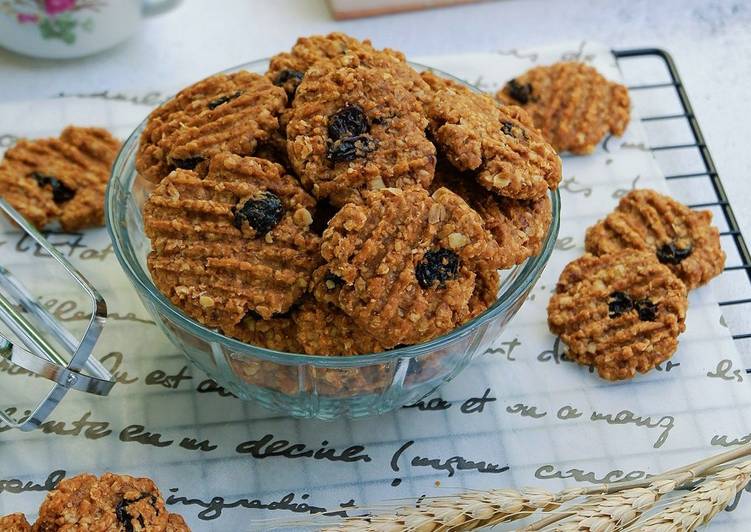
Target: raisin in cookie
518 226
226 112
499 144
233 242
402 265
572 103
682 239
323 329
287 69
60 179
355 126
620 312
111 502
14 523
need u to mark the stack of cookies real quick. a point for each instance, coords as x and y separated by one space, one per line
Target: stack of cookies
343 203
621 307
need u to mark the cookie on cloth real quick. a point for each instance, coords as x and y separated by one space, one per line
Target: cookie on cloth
572 103
403 264
357 125
61 179
110 502
234 242
226 112
499 144
14 523
621 312
518 226
682 239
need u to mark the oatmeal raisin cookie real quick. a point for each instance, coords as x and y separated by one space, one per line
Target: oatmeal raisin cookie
682 239
235 242
226 112
111 502
572 103
499 144
60 179
355 126
403 264
620 312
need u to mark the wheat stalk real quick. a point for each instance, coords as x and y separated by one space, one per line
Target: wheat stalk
466 511
607 513
605 508
700 505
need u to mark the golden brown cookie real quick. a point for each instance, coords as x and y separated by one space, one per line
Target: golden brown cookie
60 179
620 312
519 226
233 242
176 523
436 82
356 126
287 69
226 112
112 502
682 239
323 329
266 374
14 523
572 103
278 333
499 144
403 264
485 294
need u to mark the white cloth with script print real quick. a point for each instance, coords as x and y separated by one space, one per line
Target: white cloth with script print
518 416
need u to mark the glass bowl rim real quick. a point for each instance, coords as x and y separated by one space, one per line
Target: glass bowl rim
531 269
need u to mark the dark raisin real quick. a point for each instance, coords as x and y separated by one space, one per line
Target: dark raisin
512 130
262 213
332 280
289 80
60 192
619 303
349 121
646 309
213 104
519 91
253 315
670 253
507 128
189 163
325 211
351 148
439 265
123 517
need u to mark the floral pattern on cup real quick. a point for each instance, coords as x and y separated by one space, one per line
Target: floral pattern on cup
56 19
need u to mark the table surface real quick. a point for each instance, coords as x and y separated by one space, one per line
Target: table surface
709 40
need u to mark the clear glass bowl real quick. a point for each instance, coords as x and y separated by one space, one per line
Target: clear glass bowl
324 387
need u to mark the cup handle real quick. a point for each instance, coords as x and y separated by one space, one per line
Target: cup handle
157 7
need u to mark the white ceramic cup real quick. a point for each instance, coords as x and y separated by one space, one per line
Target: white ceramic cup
59 29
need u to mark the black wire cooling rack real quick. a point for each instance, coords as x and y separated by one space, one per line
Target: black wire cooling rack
677 142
